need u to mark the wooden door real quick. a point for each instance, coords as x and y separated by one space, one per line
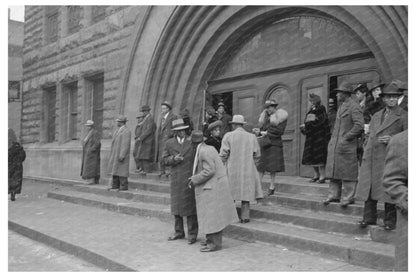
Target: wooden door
245 102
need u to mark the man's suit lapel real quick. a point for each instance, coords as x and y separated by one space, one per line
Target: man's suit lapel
391 118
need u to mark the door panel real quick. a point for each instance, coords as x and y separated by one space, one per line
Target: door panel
244 103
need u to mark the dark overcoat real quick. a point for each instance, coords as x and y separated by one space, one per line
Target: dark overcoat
372 167
342 162
272 158
214 204
164 132
226 126
144 135
90 167
16 157
182 198
120 148
317 137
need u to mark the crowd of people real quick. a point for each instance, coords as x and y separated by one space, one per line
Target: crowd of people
353 145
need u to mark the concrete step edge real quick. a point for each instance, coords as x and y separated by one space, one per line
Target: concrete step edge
69 248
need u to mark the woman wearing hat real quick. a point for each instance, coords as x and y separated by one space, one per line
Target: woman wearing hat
316 130
16 157
272 123
214 139
91 146
225 119
210 117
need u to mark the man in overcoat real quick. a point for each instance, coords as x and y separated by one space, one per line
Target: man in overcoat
164 132
402 86
119 161
395 183
342 163
144 143
91 146
240 151
384 124
179 153
214 204
225 119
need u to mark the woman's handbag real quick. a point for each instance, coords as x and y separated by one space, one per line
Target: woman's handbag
264 141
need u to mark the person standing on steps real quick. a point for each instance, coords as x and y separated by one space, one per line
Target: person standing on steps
384 124
91 147
179 153
240 151
17 155
119 160
272 123
316 130
214 204
342 163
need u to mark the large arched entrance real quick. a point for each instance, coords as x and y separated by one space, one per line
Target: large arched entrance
248 54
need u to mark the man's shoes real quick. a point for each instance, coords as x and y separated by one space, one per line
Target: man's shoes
244 220
321 181
161 174
175 237
111 188
313 180
191 241
363 224
329 200
345 204
122 189
389 227
13 196
203 243
270 192
207 249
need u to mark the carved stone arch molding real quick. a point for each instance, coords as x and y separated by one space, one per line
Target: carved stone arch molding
197 40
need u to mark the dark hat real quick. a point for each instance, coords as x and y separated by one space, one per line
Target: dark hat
210 110
344 87
145 108
400 84
140 114
270 102
184 113
121 118
178 125
391 89
197 136
361 87
213 125
314 97
221 104
238 119
378 85
166 103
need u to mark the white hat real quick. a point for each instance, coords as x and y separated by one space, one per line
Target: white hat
89 123
238 119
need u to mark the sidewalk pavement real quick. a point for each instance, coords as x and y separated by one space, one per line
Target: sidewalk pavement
141 244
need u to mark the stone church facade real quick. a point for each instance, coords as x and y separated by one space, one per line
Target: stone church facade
95 62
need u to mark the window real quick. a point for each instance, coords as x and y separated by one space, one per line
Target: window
70 111
74 18
49 113
95 100
51 23
98 13
14 90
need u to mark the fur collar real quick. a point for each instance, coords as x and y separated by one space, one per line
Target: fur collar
276 118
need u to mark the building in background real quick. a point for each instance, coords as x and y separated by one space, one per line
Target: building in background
15 53
94 62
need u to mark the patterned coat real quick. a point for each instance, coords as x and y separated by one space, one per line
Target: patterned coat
144 148
342 160
372 167
164 132
239 151
317 137
214 204
182 199
16 157
120 148
91 146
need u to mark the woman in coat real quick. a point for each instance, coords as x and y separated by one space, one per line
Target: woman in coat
214 204
214 129
91 146
316 130
16 157
272 126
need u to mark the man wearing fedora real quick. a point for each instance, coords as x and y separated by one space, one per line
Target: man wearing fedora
91 146
144 140
384 124
214 204
225 119
402 86
179 153
240 151
164 132
360 95
342 162
119 161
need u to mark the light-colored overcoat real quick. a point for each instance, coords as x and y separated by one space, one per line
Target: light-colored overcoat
120 148
239 151
214 205
342 162
372 167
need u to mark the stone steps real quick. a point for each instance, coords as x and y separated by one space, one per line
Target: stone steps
355 250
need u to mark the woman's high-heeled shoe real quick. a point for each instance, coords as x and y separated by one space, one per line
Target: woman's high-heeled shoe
270 192
313 180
